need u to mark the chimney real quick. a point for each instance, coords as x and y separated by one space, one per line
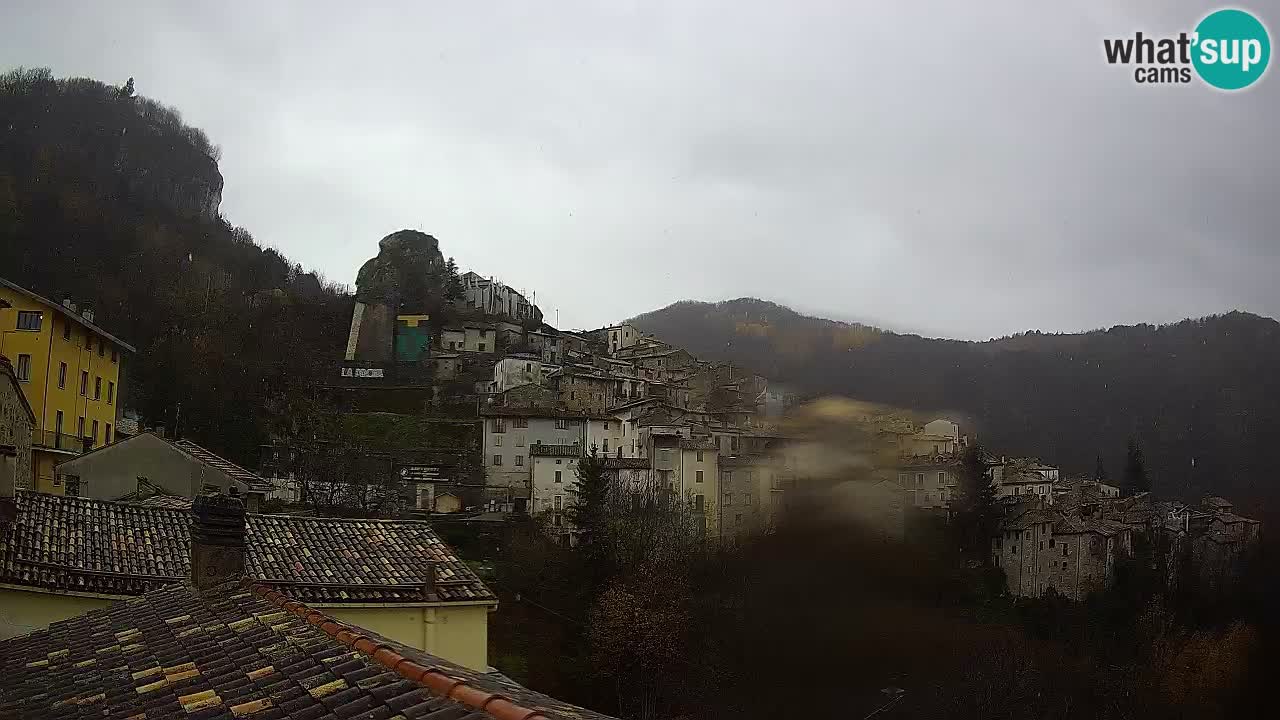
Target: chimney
69 304
217 540
87 314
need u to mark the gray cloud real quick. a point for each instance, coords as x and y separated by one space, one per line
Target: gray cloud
966 170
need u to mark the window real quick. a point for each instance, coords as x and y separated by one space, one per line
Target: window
62 376
1051 543
728 499
519 461
528 367
111 392
559 478
699 502
66 330
497 441
606 444
102 349
80 427
1013 549
919 479
497 459
520 422
562 424
1042 545
664 455
559 502
481 347
29 320
942 478
84 382
699 460
520 440
904 479
57 425
606 424
88 341
97 388
115 355
1064 549
24 368
698 476
95 432
559 461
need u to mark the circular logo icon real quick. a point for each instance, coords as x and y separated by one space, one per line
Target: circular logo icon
1232 49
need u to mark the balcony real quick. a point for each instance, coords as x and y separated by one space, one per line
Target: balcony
52 440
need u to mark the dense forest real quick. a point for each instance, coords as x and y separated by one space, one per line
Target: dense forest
108 199
1199 396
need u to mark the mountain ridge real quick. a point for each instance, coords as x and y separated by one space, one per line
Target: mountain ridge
1199 389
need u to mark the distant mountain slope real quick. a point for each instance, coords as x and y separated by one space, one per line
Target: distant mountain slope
1204 389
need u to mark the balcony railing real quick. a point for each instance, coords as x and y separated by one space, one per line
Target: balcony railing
60 441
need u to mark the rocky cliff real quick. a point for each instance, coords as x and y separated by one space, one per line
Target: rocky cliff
105 142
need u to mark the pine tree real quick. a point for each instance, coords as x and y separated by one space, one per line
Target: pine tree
976 509
1135 470
453 287
588 510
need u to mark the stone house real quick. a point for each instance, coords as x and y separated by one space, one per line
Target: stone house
1040 548
17 421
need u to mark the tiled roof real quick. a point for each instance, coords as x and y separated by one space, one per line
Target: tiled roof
82 545
1231 518
237 652
698 444
165 501
1031 518
218 462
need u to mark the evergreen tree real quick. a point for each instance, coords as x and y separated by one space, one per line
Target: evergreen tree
976 509
453 289
1099 472
588 509
1135 470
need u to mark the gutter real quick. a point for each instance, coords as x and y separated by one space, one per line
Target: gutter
66 593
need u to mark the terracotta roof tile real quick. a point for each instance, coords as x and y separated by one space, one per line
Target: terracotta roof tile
84 545
214 460
258 654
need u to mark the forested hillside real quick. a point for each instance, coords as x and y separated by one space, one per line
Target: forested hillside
109 199
1201 390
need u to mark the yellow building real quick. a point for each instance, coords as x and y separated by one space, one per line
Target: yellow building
69 369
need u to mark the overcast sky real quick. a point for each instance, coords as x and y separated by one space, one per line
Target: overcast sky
960 169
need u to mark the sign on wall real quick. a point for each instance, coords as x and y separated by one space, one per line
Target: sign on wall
359 372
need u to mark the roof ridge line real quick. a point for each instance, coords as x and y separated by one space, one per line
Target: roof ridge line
433 678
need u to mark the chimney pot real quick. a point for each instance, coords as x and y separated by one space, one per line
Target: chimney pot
217 539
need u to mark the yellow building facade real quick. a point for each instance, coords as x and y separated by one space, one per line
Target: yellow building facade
69 370
454 631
